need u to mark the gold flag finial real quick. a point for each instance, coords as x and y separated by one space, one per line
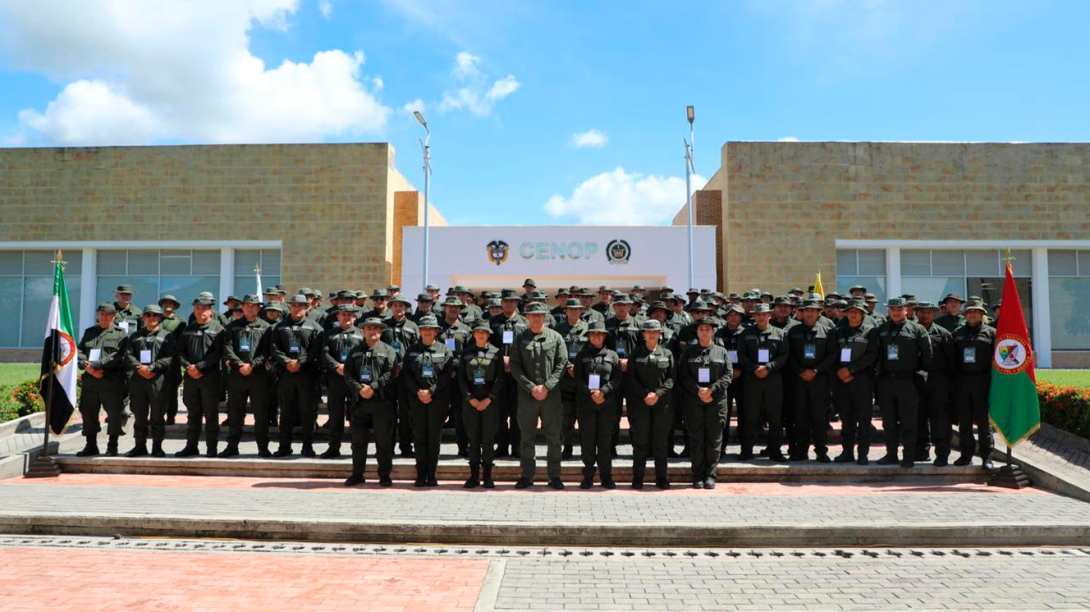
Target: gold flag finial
59 260
1009 258
257 269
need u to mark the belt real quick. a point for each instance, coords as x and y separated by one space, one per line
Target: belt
898 375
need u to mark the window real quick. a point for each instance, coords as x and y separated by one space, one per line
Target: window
267 260
154 273
26 284
1068 294
866 267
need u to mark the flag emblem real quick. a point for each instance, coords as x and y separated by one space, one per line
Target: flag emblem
66 348
1010 355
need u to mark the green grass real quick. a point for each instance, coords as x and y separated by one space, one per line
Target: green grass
13 373
1072 378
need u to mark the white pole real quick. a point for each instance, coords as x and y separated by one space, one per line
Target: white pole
427 172
689 169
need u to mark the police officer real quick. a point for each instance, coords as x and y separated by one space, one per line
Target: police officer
172 379
762 356
650 384
704 374
812 350
903 348
246 350
424 304
624 336
935 398
480 383
150 353
730 338
455 334
369 374
400 334
102 359
586 298
853 386
426 376
128 315
380 310
974 344
538 359
573 330
295 348
200 351
337 344
952 318
471 313
598 382
505 328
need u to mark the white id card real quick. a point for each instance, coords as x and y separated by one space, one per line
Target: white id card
145 356
450 343
508 336
703 375
594 382
845 355
762 355
970 354
95 355
733 356
124 325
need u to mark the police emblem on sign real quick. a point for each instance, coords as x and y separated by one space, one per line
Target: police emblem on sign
618 251
497 251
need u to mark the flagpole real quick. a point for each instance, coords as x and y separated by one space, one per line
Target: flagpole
43 465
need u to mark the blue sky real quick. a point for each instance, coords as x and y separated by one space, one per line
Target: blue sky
549 112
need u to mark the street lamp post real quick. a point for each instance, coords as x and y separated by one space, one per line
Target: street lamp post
690 169
427 172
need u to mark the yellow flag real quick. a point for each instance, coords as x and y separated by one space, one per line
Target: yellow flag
818 289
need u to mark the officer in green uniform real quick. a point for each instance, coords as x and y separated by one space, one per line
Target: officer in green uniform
853 387
102 358
200 352
812 350
400 334
952 319
471 313
426 376
704 375
903 348
729 337
871 301
337 344
173 377
505 328
246 351
935 399
624 336
586 298
762 356
296 345
974 345
369 373
557 313
480 383
424 304
128 315
150 353
538 358
573 329
597 381
455 333
650 383
380 309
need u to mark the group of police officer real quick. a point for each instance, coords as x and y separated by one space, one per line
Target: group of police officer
494 365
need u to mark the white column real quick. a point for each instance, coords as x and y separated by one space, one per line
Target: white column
227 276
1042 322
88 289
893 271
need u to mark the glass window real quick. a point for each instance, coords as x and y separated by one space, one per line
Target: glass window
990 289
932 288
270 262
145 289
10 308
982 263
948 263
41 262
874 284
206 262
247 283
144 263
1022 264
1069 317
872 263
915 263
186 288
37 297
846 263
245 262
11 263
175 262
1084 263
1063 263
113 262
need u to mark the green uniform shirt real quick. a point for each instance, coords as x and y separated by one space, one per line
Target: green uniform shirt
538 359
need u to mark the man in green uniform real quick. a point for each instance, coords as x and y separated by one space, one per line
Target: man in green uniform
150 353
574 332
337 344
586 298
102 358
128 315
172 379
935 396
903 349
505 328
424 304
455 334
538 358
812 350
730 337
369 373
295 349
952 318
246 351
380 309
597 373
471 313
426 379
704 375
650 383
624 337
480 381
974 345
853 388
762 356
200 351
400 334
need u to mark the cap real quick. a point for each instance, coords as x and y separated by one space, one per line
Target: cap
811 304
307 291
975 306
453 301
250 298
951 296
700 305
344 308
372 322
534 308
563 291
857 288
495 303
871 298
431 287
509 294
622 298
299 298
274 306
482 326
657 306
574 304
796 290
761 308
124 289
400 299
271 290
530 282
782 300
926 306
393 288
857 305
460 289
424 297
345 294
427 321
637 287
651 325
537 294
597 326
736 308
379 293
229 299
107 307
895 302
170 298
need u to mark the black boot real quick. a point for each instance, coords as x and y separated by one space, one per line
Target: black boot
90 449
157 449
474 477
333 452
488 482
568 453
230 451
308 451
111 447
263 450
140 450
190 450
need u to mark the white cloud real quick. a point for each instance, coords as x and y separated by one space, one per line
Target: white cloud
377 84
622 198
787 139
590 139
475 94
180 71
326 8
415 105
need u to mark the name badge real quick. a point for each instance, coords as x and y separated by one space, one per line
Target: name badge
508 336
244 345
478 377
365 374
95 355
450 343
594 382
892 353
809 351
845 355
145 356
704 375
124 325
762 355
427 370
732 356
344 355
622 350
969 354
397 348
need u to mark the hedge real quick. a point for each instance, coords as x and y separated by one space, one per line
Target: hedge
1065 407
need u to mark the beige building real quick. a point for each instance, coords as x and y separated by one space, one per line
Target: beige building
185 219
919 218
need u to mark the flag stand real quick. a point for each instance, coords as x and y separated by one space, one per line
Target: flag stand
1009 476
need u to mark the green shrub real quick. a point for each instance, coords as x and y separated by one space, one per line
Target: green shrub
1067 408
